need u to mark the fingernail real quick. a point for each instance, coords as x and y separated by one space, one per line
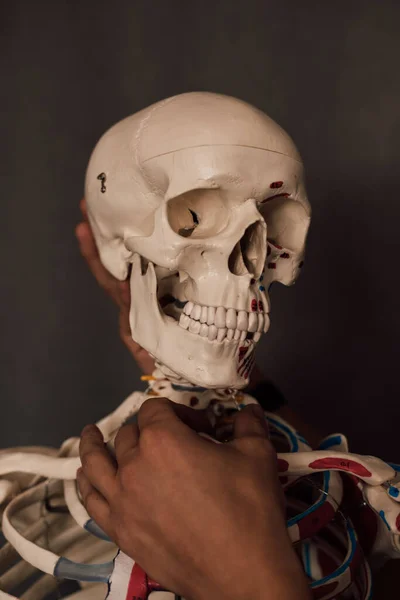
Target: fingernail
258 412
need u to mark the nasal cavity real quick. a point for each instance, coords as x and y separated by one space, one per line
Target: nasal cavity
248 255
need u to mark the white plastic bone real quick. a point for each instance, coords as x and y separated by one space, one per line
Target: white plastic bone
190 190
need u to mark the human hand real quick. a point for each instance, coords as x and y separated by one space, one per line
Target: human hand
205 520
119 291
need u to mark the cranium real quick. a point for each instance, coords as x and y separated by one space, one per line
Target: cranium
188 197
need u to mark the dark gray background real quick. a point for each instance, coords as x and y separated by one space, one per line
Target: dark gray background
328 72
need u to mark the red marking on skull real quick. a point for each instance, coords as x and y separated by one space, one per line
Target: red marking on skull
398 522
254 305
274 197
194 401
283 465
276 184
260 306
242 352
285 255
271 265
342 464
247 360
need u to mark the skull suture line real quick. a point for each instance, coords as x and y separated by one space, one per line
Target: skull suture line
188 196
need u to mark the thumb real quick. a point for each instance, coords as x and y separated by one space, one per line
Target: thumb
250 422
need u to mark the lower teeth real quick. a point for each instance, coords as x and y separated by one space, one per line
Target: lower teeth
220 334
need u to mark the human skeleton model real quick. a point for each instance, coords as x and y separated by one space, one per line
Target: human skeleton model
200 200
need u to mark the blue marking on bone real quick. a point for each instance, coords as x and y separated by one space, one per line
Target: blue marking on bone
382 516
307 559
302 439
261 288
314 507
345 565
292 437
332 440
92 527
68 569
394 492
394 466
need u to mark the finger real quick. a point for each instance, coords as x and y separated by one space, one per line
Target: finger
197 420
95 504
250 422
97 463
125 292
250 436
86 241
83 208
89 251
124 325
126 441
142 357
176 417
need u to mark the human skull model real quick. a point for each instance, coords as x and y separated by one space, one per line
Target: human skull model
188 197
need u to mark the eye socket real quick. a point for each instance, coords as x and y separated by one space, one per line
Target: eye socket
188 229
197 214
287 221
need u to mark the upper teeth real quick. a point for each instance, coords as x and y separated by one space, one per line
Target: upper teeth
220 323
